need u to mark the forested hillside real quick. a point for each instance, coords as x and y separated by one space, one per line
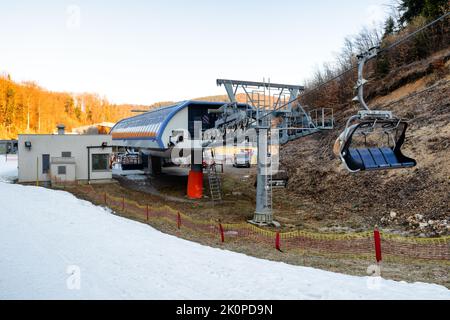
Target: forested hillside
407 17
28 108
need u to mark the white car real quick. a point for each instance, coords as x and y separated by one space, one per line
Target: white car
242 160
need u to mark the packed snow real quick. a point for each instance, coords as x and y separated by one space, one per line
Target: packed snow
53 245
8 167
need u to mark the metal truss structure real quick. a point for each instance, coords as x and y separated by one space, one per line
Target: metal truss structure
276 114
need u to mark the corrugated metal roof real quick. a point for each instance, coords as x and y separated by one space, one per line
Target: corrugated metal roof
151 125
148 125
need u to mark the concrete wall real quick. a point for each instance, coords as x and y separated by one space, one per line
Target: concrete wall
70 175
30 160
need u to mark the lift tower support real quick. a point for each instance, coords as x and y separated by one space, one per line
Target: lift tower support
267 101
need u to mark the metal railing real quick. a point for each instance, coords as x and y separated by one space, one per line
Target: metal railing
323 118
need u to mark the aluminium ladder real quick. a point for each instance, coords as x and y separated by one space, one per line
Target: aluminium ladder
215 185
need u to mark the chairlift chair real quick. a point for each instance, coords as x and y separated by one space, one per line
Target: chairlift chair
373 142
372 139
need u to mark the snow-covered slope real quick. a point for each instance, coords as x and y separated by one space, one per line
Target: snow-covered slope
8 168
49 238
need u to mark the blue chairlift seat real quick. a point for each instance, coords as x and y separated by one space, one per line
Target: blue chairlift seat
376 159
382 158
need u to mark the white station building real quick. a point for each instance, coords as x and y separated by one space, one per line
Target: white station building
64 157
158 132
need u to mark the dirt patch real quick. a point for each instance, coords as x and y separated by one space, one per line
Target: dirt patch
426 69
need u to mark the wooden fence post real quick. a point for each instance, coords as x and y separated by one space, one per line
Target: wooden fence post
178 220
222 235
277 241
377 239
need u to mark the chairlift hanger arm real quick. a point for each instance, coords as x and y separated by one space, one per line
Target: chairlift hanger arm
362 60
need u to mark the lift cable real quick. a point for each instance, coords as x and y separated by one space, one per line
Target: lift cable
439 83
412 34
390 47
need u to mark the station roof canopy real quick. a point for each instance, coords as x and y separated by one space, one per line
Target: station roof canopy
146 130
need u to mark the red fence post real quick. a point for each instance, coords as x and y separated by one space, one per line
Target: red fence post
277 242
104 196
377 238
123 203
222 235
178 220
146 212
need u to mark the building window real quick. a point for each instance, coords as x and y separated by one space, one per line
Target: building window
45 163
66 154
100 162
61 169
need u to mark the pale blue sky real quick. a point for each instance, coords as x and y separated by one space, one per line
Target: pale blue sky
147 51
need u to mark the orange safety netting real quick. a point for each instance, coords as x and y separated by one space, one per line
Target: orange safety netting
350 244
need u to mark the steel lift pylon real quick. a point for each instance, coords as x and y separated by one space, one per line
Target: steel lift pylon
267 102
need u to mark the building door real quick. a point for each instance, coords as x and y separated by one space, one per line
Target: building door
45 163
